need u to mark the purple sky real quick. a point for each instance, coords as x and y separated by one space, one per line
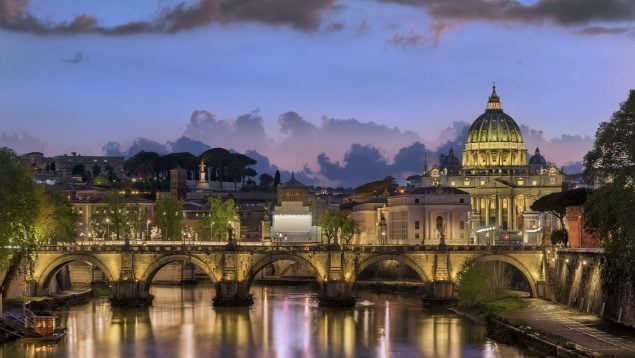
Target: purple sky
294 79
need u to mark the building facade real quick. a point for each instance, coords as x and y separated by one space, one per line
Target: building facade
496 172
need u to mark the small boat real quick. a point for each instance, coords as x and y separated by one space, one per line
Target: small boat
43 328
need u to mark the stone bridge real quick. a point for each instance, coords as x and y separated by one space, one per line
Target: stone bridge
131 268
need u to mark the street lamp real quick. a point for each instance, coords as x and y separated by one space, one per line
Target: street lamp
148 230
166 224
107 229
211 230
81 234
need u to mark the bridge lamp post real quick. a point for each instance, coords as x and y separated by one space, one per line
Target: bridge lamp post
165 218
107 229
81 234
211 229
148 230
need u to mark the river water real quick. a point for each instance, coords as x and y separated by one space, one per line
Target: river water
283 322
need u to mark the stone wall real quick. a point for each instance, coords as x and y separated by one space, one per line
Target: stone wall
579 285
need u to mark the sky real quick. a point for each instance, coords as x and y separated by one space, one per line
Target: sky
340 91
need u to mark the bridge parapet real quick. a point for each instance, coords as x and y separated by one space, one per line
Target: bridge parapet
132 267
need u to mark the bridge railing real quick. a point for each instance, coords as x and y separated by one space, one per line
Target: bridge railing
205 246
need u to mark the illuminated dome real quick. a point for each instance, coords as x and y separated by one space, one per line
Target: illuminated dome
494 139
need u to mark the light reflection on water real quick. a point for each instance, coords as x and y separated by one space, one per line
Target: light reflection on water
283 322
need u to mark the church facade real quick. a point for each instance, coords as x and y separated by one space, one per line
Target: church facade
502 181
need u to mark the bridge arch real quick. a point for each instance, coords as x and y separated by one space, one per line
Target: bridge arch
385 257
516 264
270 259
157 265
44 280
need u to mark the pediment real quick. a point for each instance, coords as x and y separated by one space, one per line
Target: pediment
496 183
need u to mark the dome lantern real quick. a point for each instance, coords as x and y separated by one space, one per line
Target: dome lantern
494 102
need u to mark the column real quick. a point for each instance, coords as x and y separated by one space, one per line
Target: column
487 210
499 210
512 213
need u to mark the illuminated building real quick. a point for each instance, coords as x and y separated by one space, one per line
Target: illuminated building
497 174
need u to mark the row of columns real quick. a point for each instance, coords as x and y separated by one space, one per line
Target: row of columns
511 212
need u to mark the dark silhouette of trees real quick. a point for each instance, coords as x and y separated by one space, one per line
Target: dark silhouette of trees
609 209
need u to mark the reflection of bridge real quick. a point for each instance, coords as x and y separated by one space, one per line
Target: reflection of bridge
131 268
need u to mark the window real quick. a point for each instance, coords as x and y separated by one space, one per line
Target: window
461 201
461 224
417 225
452 183
534 183
439 223
416 201
416 235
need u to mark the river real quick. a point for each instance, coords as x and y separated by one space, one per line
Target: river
283 322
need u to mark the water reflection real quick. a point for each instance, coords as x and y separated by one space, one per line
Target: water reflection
284 322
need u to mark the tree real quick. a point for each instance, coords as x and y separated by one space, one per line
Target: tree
18 211
29 215
609 210
168 216
111 218
265 180
612 158
337 226
330 224
222 214
276 180
386 186
556 204
348 229
481 281
96 170
56 221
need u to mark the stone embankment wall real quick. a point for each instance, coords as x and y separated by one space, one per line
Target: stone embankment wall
579 285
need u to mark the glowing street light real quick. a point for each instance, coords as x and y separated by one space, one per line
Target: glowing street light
107 229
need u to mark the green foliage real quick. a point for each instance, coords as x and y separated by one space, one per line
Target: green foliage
336 226
386 186
612 158
482 281
557 203
222 214
609 210
348 229
18 208
276 179
265 180
559 236
472 284
30 214
101 180
56 220
499 306
168 217
329 224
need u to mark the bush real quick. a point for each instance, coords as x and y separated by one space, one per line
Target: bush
559 236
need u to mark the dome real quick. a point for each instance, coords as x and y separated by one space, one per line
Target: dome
537 158
494 140
494 125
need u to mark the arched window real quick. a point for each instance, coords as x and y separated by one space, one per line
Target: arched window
439 223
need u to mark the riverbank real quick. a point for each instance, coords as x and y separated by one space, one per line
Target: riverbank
43 303
548 328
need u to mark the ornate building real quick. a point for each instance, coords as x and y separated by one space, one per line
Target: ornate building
495 171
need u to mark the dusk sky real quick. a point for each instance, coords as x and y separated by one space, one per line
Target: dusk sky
320 86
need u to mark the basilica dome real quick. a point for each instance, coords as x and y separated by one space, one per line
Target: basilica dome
494 139
494 125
